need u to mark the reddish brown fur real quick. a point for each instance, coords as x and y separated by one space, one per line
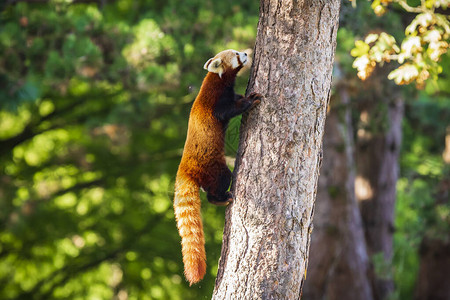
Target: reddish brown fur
205 138
202 158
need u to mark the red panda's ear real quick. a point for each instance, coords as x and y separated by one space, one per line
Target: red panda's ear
214 66
207 63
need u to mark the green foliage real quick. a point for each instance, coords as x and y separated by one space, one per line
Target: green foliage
383 268
94 105
420 210
93 113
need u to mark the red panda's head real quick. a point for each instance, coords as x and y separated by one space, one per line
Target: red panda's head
226 61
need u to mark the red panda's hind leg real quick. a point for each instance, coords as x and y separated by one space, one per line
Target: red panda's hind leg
217 192
224 200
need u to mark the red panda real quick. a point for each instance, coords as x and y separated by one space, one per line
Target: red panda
203 160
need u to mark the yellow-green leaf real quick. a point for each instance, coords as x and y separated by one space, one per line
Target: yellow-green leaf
360 49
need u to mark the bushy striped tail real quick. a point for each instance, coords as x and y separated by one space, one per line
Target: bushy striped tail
189 222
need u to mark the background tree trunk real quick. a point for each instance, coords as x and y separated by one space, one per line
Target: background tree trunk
267 229
379 137
433 281
338 263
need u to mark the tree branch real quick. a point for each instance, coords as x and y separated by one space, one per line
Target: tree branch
408 8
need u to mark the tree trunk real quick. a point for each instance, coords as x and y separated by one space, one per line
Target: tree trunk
433 281
338 263
267 228
377 150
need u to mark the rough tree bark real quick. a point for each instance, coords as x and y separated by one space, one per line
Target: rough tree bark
338 263
267 230
379 137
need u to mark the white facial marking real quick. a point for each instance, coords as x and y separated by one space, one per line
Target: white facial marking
243 57
234 62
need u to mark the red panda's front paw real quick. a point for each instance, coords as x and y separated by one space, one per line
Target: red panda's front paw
256 102
255 98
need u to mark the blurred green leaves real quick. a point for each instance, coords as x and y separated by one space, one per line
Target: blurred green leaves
94 104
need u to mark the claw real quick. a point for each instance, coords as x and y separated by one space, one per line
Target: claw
255 96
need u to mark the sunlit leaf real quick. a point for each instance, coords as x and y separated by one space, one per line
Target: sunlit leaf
364 66
371 38
378 8
361 48
404 74
411 46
